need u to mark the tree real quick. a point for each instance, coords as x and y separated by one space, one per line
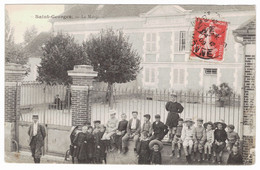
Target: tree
30 34
112 56
14 53
60 54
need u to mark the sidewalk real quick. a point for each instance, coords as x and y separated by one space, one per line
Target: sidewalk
112 157
25 157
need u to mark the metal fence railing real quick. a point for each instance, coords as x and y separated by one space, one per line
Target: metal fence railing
196 105
51 103
42 99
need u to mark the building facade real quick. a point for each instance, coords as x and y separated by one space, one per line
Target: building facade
162 35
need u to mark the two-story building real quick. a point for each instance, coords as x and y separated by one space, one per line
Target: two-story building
162 35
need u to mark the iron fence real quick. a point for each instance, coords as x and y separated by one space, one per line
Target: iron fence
196 105
51 102
40 99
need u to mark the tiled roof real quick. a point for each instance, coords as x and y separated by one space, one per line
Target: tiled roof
132 10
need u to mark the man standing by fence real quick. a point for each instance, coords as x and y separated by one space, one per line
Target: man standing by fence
173 108
37 134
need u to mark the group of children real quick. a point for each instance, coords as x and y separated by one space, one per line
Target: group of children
200 142
206 138
91 144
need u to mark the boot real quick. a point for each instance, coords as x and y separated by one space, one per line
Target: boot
187 159
209 158
190 161
173 153
214 159
200 156
179 153
35 160
205 157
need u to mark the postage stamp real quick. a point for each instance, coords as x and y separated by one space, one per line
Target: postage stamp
209 39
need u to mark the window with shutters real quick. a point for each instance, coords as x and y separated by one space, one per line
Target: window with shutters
149 76
151 43
182 40
178 76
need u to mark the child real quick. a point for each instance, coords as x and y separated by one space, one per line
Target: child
187 137
99 146
90 145
156 146
143 149
80 141
147 126
177 138
159 129
120 132
232 137
96 126
199 139
111 127
235 158
209 139
174 109
220 136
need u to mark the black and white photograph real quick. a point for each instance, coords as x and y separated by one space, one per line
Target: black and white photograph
130 84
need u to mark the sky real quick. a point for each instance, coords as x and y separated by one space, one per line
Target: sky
23 17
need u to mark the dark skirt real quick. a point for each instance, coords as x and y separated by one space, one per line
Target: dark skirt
219 148
172 119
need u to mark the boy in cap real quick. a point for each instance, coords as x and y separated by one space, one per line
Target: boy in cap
96 126
199 139
37 135
120 132
99 144
133 132
143 150
232 137
220 136
177 138
187 137
174 109
209 139
159 129
156 147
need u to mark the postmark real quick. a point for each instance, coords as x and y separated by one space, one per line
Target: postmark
208 39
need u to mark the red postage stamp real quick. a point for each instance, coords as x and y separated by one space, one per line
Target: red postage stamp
209 39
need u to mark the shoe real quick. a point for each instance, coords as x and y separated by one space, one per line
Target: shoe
173 153
204 157
209 158
214 160
179 154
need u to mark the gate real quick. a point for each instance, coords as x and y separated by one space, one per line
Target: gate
51 103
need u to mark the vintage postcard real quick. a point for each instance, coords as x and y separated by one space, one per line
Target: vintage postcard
148 84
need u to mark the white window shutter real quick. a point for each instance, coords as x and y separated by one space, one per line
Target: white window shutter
147 74
181 76
152 75
176 41
175 76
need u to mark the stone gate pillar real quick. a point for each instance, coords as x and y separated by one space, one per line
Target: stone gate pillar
14 73
82 78
246 35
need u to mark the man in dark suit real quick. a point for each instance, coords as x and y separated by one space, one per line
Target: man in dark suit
132 132
159 129
37 134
